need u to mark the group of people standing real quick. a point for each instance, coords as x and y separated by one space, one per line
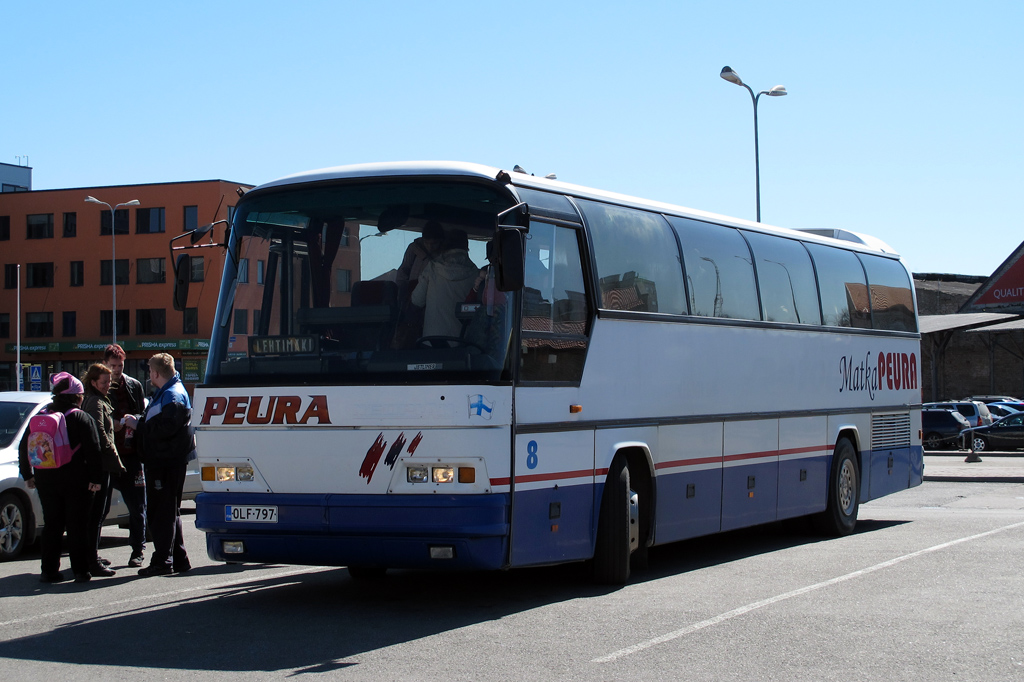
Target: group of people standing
117 442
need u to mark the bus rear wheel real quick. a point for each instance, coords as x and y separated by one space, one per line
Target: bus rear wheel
840 516
617 527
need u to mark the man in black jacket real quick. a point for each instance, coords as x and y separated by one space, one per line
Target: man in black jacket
127 398
165 441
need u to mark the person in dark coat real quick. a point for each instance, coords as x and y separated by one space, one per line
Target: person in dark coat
66 493
127 398
165 442
97 386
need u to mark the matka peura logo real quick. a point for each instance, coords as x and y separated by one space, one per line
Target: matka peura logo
877 373
261 409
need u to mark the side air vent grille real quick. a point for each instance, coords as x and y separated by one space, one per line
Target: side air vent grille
890 431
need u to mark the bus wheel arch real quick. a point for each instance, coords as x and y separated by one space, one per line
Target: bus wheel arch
625 517
844 489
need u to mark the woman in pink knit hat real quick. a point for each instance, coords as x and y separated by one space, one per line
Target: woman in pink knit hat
65 491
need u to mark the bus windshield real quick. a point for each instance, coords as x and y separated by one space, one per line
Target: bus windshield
362 283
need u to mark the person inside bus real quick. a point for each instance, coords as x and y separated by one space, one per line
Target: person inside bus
421 251
444 283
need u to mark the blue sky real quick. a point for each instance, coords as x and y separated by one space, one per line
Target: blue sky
903 119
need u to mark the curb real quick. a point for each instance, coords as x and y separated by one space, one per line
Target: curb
974 479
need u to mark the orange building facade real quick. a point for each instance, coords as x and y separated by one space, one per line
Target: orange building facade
67 276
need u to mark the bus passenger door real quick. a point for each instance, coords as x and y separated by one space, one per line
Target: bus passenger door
554 458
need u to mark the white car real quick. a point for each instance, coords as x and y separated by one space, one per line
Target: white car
21 516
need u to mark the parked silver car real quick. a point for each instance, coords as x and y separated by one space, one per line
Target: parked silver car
977 412
21 516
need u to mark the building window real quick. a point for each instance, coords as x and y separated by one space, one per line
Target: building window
77 273
197 265
11 276
122 271
39 275
190 321
120 222
122 323
149 220
69 323
150 321
151 270
191 219
5 228
5 325
70 224
344 280
261 267
40 226
39 325
241 322
243 270
256 321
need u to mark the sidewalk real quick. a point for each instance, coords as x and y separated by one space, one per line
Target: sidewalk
995 467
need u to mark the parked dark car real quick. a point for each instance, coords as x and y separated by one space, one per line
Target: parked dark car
943 429
1005 434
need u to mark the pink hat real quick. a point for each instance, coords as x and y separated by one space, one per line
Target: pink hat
74 385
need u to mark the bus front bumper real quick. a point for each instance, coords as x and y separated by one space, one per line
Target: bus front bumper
395 531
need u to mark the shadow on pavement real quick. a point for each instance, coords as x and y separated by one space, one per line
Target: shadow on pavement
323 620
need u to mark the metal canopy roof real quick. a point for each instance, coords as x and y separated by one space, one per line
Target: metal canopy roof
980 321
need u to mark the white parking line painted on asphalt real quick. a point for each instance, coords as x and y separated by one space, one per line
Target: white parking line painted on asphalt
729 615
243 578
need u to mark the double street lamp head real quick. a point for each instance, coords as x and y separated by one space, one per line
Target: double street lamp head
94 200
733 77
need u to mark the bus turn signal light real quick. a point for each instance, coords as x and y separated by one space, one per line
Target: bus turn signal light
467 475
575 409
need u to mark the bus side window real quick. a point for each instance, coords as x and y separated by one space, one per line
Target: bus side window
844 290
555 310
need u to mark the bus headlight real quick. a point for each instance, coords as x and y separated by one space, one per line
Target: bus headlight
443 474
417 474
227 474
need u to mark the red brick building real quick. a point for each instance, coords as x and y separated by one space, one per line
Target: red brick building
64 248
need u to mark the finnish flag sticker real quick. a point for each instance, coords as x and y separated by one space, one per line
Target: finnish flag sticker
479 406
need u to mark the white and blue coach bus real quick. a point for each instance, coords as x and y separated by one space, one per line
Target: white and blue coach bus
620 374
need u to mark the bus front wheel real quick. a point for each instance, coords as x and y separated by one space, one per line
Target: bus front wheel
840 516
617 526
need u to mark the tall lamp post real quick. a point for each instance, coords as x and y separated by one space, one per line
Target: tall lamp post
778 91
113 255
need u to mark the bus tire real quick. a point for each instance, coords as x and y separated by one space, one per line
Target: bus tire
612 550
840 516
367 573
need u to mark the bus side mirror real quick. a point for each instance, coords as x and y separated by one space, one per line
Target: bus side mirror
509 261
182 277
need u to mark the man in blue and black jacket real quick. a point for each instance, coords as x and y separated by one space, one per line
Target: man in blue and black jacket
164 441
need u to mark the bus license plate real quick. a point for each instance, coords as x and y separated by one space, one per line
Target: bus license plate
250 514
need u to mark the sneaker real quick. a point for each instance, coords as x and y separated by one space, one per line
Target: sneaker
136 560
52 577
102 571
83 577
102 562
152 570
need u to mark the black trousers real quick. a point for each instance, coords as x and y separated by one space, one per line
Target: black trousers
163 489
65 503
132 484
98 511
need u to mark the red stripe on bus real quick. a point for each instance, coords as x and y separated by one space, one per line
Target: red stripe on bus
557 476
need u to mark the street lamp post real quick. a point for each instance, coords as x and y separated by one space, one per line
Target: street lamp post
778 91
113 256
